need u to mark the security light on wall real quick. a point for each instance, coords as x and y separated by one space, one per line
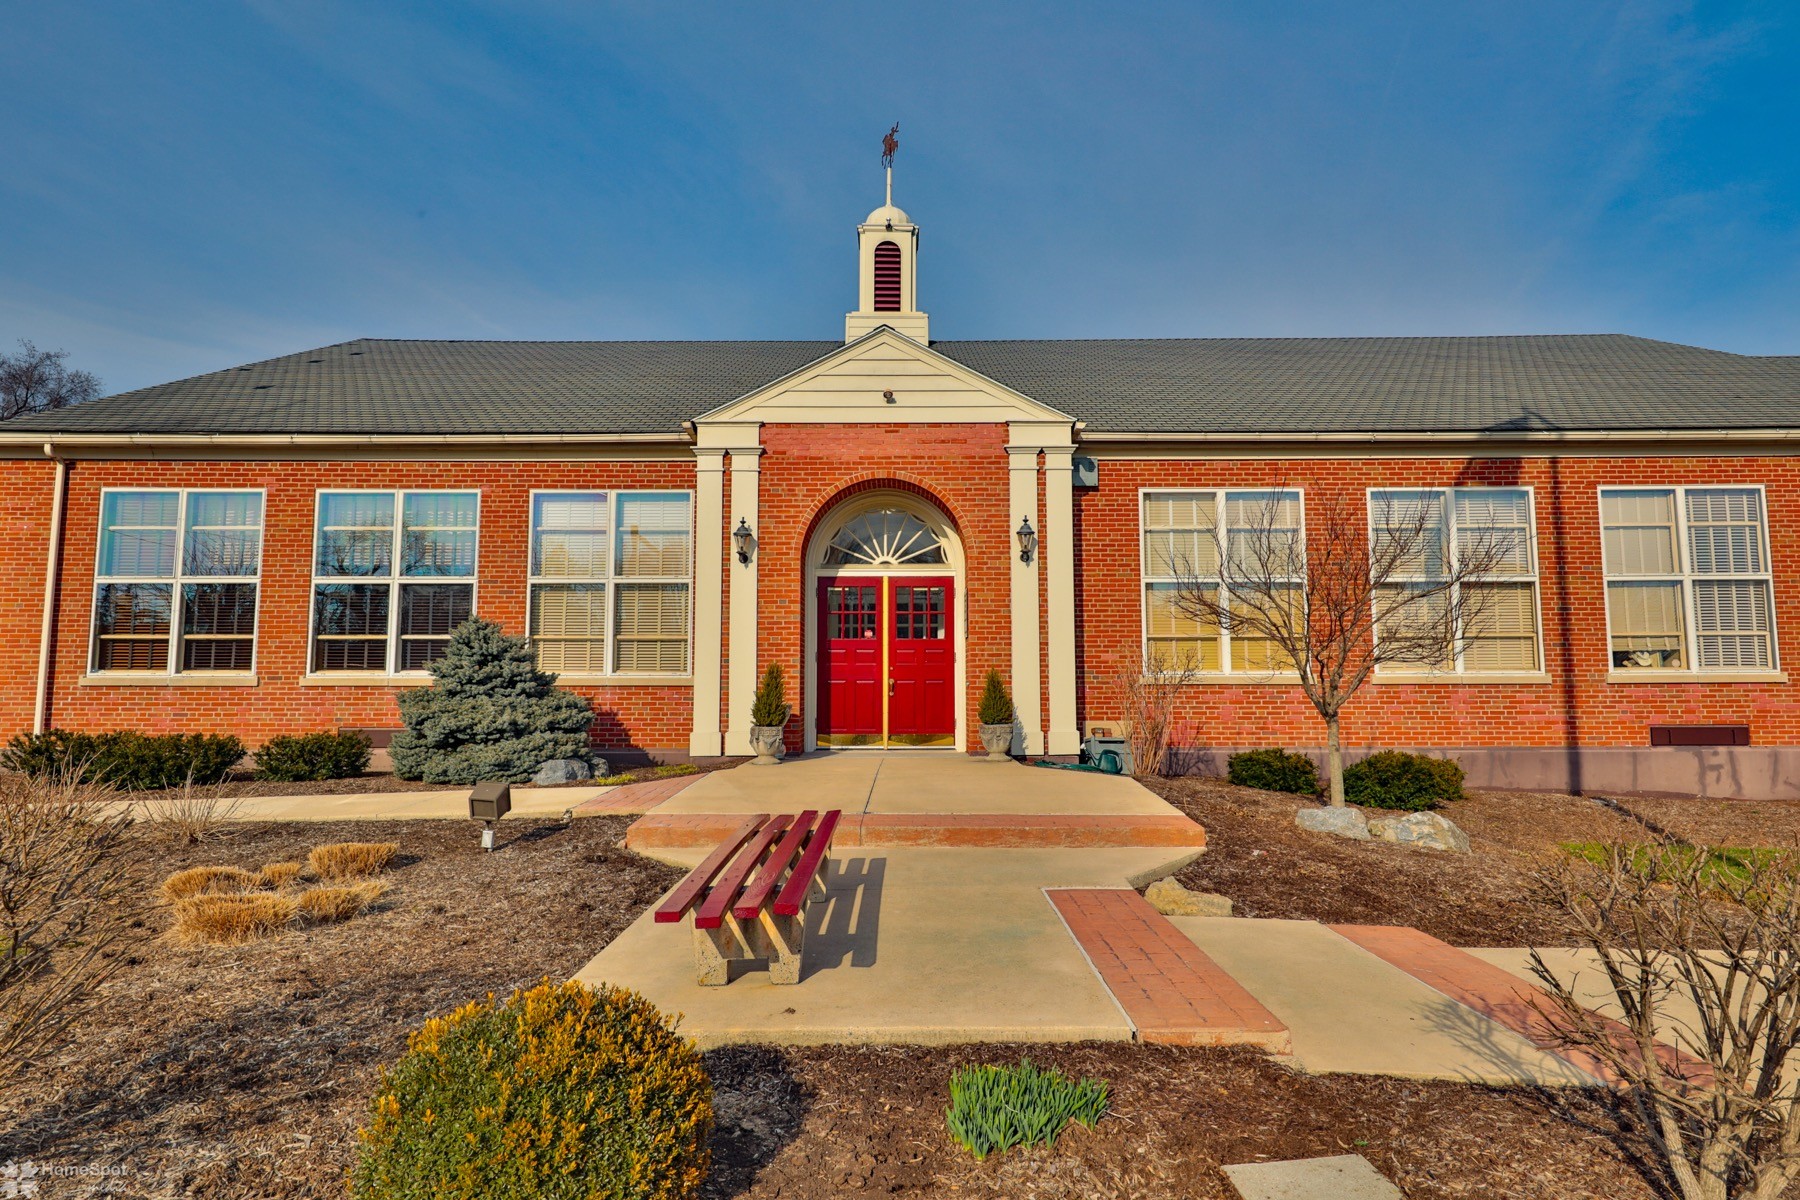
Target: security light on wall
744 539
1027 541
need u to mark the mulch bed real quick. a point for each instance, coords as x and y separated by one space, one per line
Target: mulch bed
1271 868
812 1124
239 784
243 1072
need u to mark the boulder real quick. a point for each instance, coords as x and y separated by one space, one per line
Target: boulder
1421 829
1344 822
562 770
1172 900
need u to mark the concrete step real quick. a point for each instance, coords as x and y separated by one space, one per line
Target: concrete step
663 831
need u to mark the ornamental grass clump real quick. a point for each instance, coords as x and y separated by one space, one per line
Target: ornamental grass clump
490 713
351 860
560 1091
214 920
997 1108
209 881
329 905
277 875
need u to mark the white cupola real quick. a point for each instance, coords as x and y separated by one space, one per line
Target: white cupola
887 256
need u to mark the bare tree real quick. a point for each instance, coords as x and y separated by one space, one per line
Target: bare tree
34 380
1402 585
66 896
1698 956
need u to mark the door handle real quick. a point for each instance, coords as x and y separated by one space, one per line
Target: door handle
890 685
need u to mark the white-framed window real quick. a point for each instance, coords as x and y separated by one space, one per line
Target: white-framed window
393 574
176 580
610 582
1447 533
1688 582
1181 535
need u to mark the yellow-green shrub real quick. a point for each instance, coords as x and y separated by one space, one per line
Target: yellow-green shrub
561 1091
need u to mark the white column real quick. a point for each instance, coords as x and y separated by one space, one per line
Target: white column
1027 669
709 586
1059 567
746 479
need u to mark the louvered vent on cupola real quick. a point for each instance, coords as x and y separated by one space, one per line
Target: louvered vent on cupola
887 277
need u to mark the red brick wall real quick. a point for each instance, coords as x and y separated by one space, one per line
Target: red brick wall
26 490
626 717
1577 707
807 469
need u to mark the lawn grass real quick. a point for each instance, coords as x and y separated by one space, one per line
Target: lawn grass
1732 864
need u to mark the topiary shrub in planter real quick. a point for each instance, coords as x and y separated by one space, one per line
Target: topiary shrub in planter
490 713
561 1091
291 758
1407 782
996 713
1274 771
769 716
125 759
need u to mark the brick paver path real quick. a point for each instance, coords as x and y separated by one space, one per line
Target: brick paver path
1170 990
1496 993
635 797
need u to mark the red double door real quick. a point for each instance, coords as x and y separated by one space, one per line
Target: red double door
887 662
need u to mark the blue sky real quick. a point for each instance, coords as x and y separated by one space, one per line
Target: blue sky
190 186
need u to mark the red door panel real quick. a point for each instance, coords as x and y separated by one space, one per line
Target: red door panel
921 662
850 663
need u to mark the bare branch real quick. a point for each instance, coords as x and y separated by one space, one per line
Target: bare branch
34 380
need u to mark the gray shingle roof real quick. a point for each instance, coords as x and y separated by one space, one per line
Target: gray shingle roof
1217 385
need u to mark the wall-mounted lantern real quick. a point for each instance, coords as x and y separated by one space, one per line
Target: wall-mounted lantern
744 539
1027 541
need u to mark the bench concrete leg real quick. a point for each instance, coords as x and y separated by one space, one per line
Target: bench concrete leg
778 941
714 952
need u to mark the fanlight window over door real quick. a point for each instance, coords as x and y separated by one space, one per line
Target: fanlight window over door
886 537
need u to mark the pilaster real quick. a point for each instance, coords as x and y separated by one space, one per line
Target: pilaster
1027 669
746 480
709 586
1064 736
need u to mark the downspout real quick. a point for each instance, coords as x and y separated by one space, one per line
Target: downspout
52 568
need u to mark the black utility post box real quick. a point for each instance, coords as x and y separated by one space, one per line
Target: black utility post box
489 800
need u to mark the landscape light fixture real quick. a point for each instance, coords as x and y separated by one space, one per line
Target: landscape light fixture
489 800
744 538
1027 541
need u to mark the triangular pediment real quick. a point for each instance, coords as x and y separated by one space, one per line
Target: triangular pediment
849 385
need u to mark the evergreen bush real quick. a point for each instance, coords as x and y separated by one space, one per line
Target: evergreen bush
1274 771
1407 782
294 757
489 714
124 758
561 1091
996 706
770 707
997 1108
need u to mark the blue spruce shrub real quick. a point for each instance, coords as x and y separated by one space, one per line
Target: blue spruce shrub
491 714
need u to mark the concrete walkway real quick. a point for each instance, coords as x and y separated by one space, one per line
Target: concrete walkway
925 798
453 803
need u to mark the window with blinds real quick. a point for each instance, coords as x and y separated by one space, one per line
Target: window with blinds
610 582
393 574
1688 585
177 581
1483 540
1183 534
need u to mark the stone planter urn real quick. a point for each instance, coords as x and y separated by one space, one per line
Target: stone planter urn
766 741
997 739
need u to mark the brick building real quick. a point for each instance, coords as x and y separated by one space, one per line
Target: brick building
282 546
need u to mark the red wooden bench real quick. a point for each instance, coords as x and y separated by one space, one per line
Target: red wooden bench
749 897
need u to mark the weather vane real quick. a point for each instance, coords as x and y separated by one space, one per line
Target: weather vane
889 144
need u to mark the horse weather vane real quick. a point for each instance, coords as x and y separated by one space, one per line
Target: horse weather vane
889 144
